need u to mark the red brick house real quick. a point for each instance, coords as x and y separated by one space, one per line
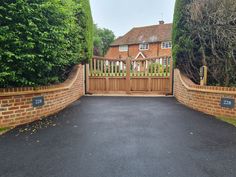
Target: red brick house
143 42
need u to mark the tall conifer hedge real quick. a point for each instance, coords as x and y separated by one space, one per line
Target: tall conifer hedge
180 31
183 45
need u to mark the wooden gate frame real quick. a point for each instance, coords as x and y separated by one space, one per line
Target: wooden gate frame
129 77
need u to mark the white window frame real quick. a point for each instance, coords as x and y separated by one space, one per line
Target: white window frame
144 46
123 48
166 45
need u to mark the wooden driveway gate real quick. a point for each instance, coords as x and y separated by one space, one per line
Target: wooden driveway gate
141 76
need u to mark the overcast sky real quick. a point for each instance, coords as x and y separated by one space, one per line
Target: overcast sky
122 15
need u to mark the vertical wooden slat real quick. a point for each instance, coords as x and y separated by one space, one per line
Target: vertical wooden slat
107 84
151 67
102 65
135 69
145 67
91 67
105 68
139 68
119 68
123 68
161 67
109 68
98 69
149 84
87 78
97 66
166 67
171 75
97 74
156 68
112 68
115 68
94 67
128 75
132 69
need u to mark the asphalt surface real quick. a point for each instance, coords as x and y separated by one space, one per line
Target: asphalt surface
121 137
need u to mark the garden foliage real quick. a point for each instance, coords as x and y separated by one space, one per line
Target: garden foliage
40 40
102 39
204 33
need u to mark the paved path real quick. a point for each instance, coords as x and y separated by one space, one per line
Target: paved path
121 137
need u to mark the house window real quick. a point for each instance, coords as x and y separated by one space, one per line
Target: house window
123 48
144 46
166 45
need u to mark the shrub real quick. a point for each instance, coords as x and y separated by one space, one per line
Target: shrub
40 40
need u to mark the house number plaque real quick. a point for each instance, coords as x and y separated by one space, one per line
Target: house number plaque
227 103
38 101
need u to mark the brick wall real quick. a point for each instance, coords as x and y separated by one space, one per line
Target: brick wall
203 98
150 53
154 50
16 104
164 52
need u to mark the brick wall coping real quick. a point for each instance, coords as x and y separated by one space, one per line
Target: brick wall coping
189 85
4 92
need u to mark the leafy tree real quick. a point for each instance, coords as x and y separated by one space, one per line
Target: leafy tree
97 43
40 40
102 39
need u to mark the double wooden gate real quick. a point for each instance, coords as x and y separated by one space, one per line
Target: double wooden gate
142 76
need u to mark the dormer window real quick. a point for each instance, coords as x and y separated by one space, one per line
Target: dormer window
166 45
144 46
123 48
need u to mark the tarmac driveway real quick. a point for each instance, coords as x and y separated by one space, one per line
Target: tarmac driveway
121 137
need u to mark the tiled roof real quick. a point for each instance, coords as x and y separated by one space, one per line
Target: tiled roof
149 34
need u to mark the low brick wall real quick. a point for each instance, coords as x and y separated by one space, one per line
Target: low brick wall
203 98
16 104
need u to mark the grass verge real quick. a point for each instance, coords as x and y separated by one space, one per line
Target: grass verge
228 120
3 130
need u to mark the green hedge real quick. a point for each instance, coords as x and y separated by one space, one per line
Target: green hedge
180 31
40 40
185 49
204 34
85 21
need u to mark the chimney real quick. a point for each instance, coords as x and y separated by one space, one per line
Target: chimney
161 22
